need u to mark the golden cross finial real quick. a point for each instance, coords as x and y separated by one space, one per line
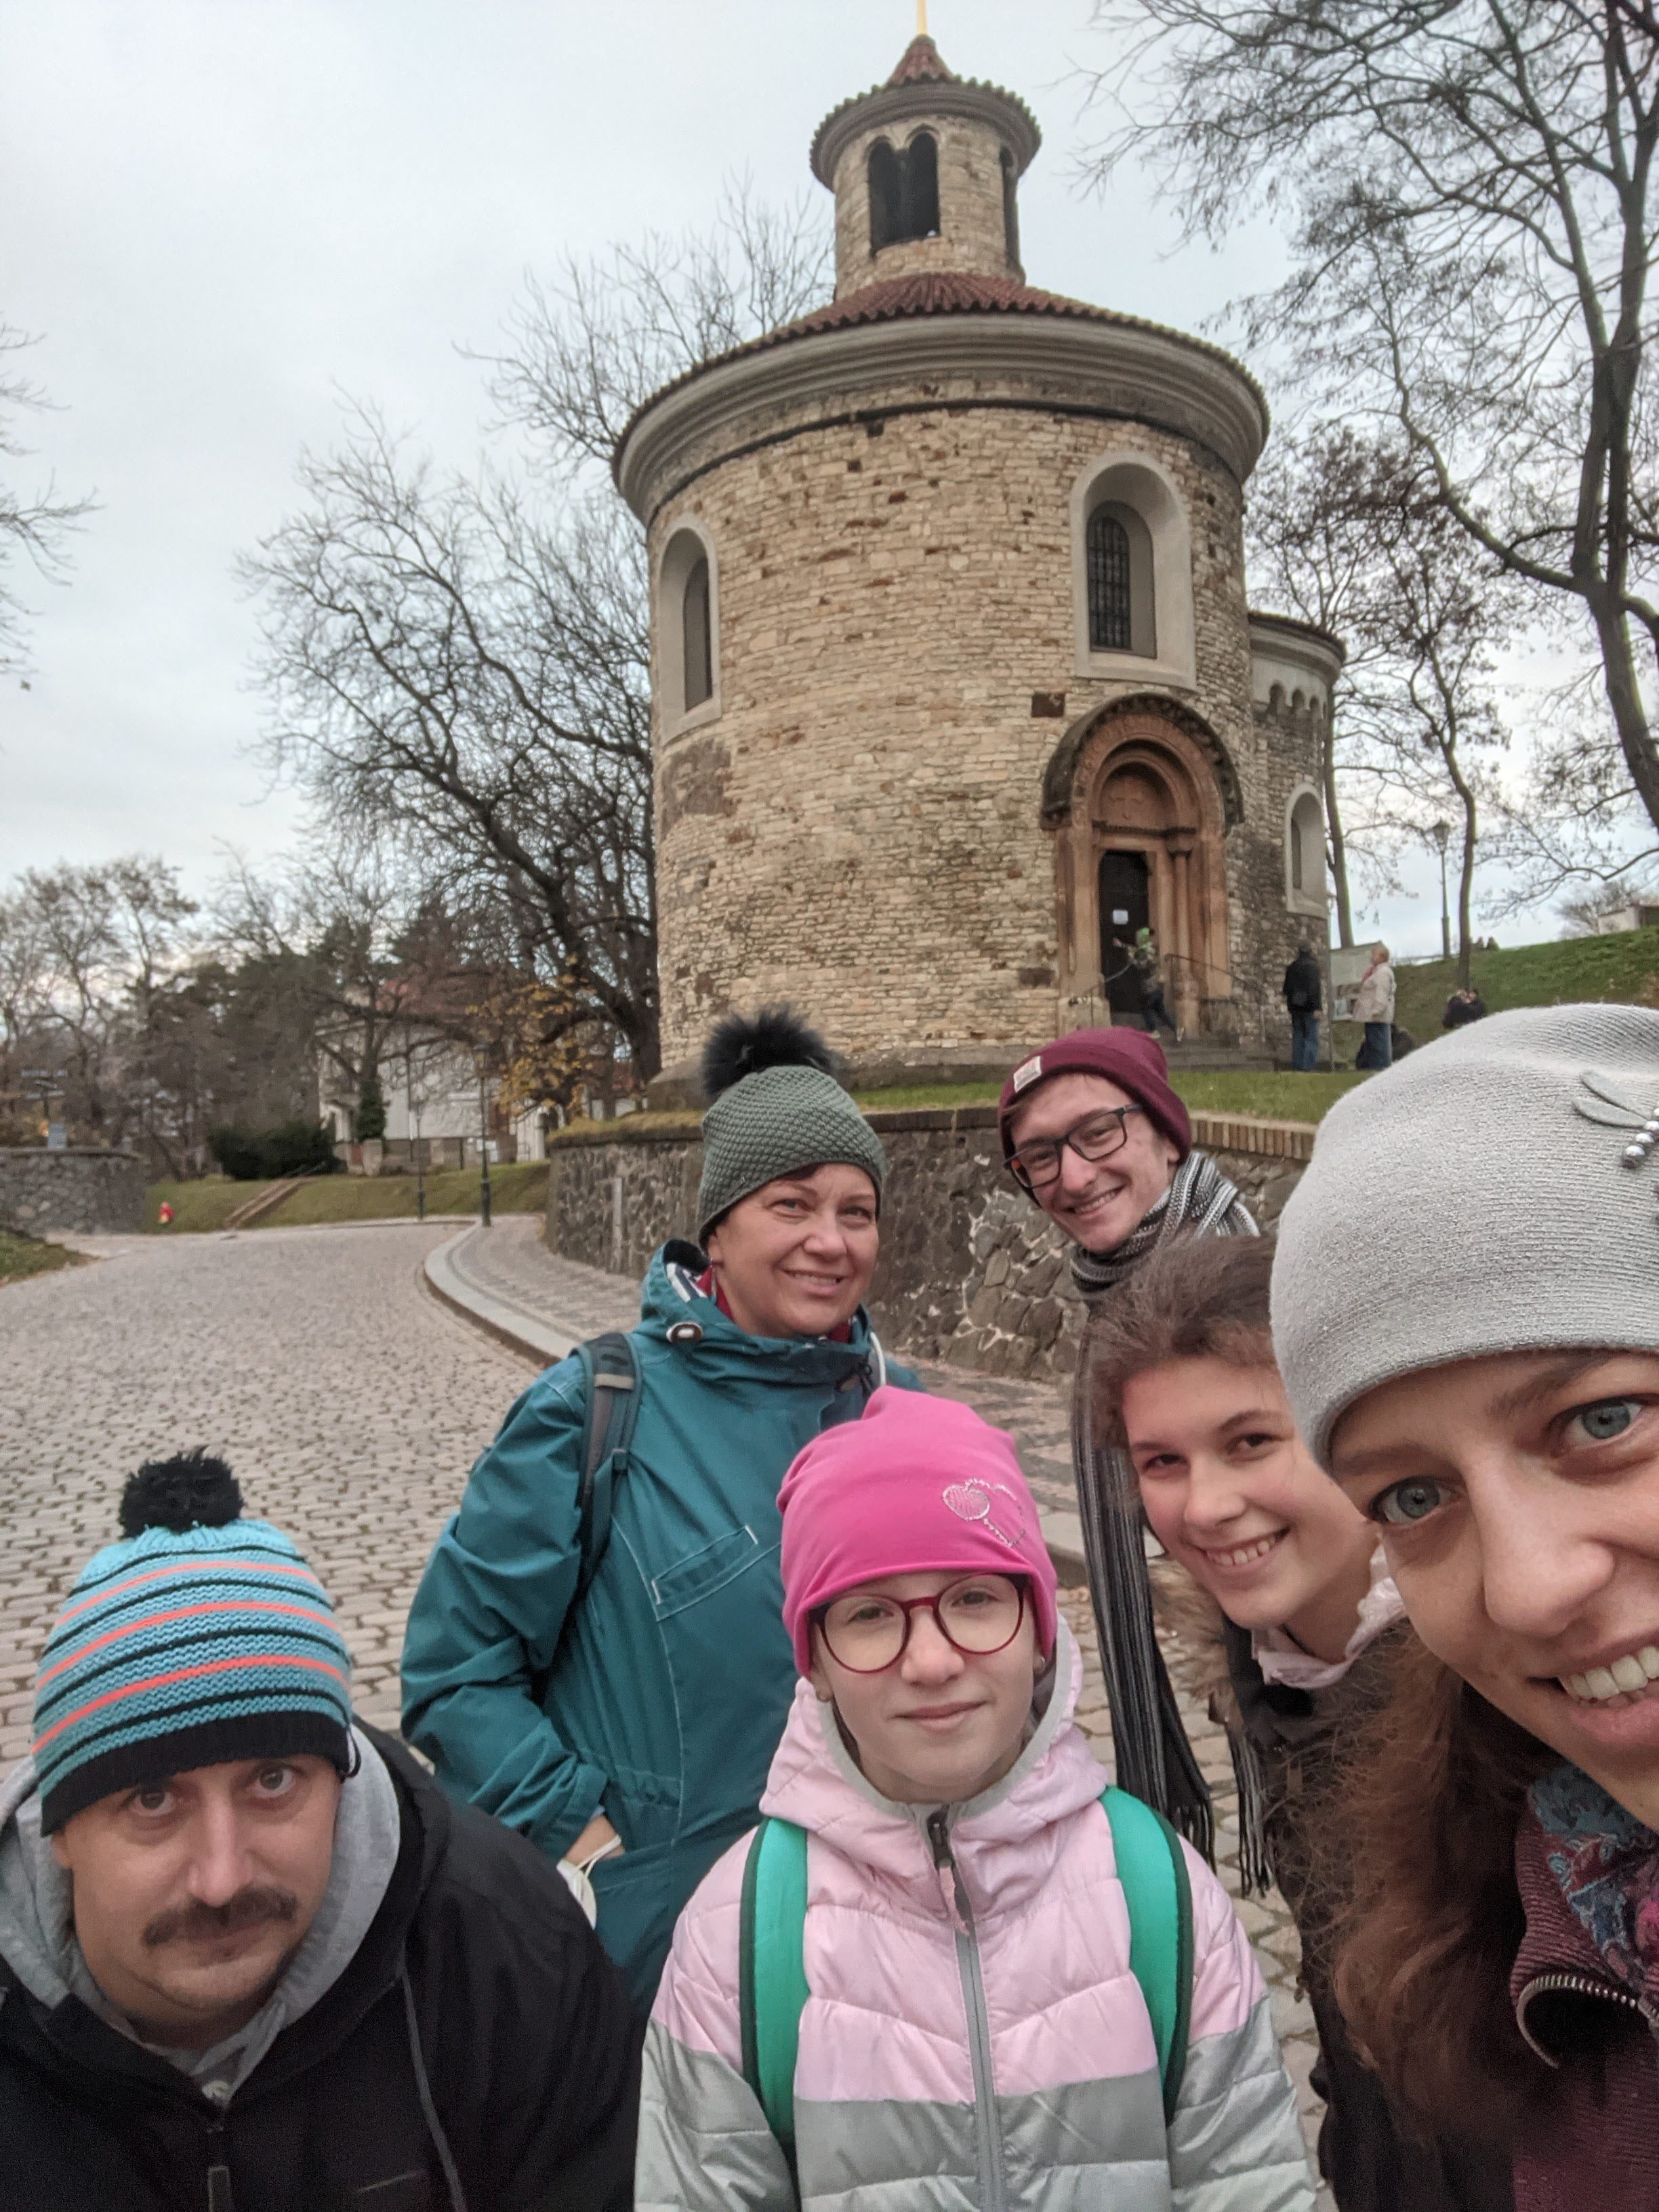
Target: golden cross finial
922 19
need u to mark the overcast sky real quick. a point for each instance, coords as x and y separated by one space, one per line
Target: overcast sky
225 214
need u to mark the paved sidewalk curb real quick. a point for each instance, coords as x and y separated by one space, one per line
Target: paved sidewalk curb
520 1332
535 1340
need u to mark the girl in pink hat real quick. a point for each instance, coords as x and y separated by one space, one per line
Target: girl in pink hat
942 1969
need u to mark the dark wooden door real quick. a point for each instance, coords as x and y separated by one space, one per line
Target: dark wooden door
1124 907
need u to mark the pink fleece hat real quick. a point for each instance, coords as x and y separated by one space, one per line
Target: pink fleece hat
919 1486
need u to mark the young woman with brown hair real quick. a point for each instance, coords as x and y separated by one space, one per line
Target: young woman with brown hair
1287 1621
1494 1410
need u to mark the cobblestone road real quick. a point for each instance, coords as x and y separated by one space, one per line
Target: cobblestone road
350 1404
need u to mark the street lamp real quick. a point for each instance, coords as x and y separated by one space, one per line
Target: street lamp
481 1062
1440 833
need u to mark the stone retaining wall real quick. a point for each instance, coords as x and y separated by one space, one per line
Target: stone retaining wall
80 1192
970 1270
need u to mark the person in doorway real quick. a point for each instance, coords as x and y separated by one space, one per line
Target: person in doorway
972 2013
1497 1419
1373 1006
250 1958
1279 1591
1463 1007
1152 983
1094 1135
625 1722
1303 996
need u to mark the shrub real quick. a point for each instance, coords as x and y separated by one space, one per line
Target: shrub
298 1147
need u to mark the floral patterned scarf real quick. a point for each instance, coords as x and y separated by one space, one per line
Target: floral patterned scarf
1607 1863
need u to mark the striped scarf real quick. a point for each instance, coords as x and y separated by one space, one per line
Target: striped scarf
1151 1756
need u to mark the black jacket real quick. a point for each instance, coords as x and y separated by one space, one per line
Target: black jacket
1301 985
477 2053
1373 2157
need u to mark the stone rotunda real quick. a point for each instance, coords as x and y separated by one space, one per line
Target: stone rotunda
955 684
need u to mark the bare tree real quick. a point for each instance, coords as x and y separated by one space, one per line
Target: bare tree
1468 186
32 525
90 958
450 674
461 665
585 349
1350 532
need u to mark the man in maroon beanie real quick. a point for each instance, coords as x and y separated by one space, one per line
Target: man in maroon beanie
1093 1134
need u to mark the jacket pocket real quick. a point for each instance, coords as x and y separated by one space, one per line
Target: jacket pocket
702 1572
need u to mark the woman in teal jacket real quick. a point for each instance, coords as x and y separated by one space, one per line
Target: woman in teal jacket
649 1710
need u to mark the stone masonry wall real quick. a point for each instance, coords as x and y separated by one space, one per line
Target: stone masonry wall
81 1191
859 830
970 1270
972 233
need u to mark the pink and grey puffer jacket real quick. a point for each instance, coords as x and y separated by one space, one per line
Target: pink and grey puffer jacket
975 2037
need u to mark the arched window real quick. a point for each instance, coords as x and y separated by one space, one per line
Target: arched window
1305 853
1121 615
919 201
1010 208
884 172
1108 582
697 635
687 654
903 191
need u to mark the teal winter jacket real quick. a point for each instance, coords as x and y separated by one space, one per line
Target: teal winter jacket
660 1699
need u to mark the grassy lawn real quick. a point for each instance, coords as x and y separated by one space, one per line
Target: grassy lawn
203 1204
23 1256
518 1189
200 1205
1266 1096
1622 967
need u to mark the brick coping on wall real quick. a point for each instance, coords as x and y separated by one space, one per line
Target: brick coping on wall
1218 1132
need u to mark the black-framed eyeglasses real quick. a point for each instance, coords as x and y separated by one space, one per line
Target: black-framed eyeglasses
978 1615
1096 1137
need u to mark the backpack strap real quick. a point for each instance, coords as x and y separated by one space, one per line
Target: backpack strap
610 1377
1152 1868
772 1984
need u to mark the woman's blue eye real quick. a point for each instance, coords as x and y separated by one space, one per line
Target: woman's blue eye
1608 1418
1405 1504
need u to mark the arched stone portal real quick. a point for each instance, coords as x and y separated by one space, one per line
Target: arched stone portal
1139 797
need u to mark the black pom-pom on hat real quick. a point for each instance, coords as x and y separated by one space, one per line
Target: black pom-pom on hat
192 1490
742 1044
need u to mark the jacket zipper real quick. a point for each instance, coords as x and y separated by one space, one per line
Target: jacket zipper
219 2195
987 2121
1579 1986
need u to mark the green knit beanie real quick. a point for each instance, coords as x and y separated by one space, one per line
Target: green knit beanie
775 1108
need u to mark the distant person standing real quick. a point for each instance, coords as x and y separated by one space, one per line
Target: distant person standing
1373 1004
1152 1001
1303 999
1463 1008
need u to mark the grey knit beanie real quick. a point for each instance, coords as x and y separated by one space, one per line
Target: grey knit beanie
775 1108
1498 1191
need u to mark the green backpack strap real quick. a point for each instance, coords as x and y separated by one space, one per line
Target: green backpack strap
772 1985
1152 1868
772 1988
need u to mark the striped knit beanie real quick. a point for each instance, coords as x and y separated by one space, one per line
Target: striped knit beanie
775 1109
200 1638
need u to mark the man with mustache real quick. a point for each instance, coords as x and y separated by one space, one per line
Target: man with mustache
250 1958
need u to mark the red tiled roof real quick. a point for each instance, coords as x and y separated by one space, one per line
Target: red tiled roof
921 64
943 292
947 292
